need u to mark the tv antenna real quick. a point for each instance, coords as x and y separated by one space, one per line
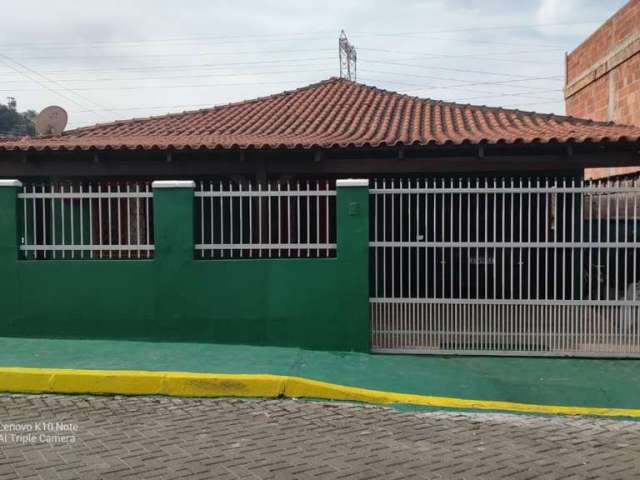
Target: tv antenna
348 57
51 121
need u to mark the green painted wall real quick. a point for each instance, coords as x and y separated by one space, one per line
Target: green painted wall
311 303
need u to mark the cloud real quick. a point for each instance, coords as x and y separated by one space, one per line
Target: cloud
556 11
152 56
577 15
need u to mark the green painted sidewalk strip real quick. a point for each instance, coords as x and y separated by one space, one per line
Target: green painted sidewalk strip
550 381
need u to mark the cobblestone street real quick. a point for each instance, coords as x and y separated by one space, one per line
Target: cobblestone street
152 437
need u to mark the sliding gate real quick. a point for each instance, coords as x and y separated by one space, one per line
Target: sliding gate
527 266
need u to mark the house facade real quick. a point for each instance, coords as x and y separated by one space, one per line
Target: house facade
435 227
332 128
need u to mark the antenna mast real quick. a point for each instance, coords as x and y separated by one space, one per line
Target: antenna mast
348 57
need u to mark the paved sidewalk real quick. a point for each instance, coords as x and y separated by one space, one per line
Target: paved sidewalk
545 381
169 438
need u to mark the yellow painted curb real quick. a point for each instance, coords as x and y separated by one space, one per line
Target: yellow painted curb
188 384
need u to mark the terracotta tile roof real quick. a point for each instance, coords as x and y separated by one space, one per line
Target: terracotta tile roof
334 113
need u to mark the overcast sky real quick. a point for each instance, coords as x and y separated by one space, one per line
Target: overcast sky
103 61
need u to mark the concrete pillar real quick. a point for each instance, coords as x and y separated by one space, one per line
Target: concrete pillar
173 221
9 243
353 259
9 220
174 252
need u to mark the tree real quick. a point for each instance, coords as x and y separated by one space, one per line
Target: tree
14 123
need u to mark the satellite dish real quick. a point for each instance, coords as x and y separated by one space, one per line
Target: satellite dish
51 121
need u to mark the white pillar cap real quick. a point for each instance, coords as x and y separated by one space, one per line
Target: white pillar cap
173 184
352 182
10 183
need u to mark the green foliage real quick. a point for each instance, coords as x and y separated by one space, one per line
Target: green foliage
14 123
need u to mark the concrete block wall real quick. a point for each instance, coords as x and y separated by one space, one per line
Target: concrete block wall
316 303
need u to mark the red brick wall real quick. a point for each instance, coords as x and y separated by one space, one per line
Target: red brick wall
612 93
600 100
627 87
591 102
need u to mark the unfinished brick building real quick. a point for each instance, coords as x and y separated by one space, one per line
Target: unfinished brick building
603 76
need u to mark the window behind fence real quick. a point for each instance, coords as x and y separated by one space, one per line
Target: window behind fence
82 220
291 219
505 238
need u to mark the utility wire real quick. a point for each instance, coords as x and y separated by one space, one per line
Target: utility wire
218 39
448 69
477 29
502 95
413 55
7 59
214 73
437 56
146 87
208 105
287 36
175 77
181 54
465 83
475 40
485 94
43 85
213 66
462 82
160 107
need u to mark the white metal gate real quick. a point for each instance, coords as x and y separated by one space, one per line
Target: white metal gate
526 266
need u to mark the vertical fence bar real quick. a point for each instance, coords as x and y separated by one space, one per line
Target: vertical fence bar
326 216
128 218
35 209
25 223
109 239
119 218
250 206
72 217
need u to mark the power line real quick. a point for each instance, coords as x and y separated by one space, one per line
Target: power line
287 51
174 77
476 29
209 106
270 52
461 82
160 107
6 61
502 95
485 94
206 105
214 66
241 39
136 87
475 41
217 68
181 54
448 69
484 56
45 44
467 83
239 84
